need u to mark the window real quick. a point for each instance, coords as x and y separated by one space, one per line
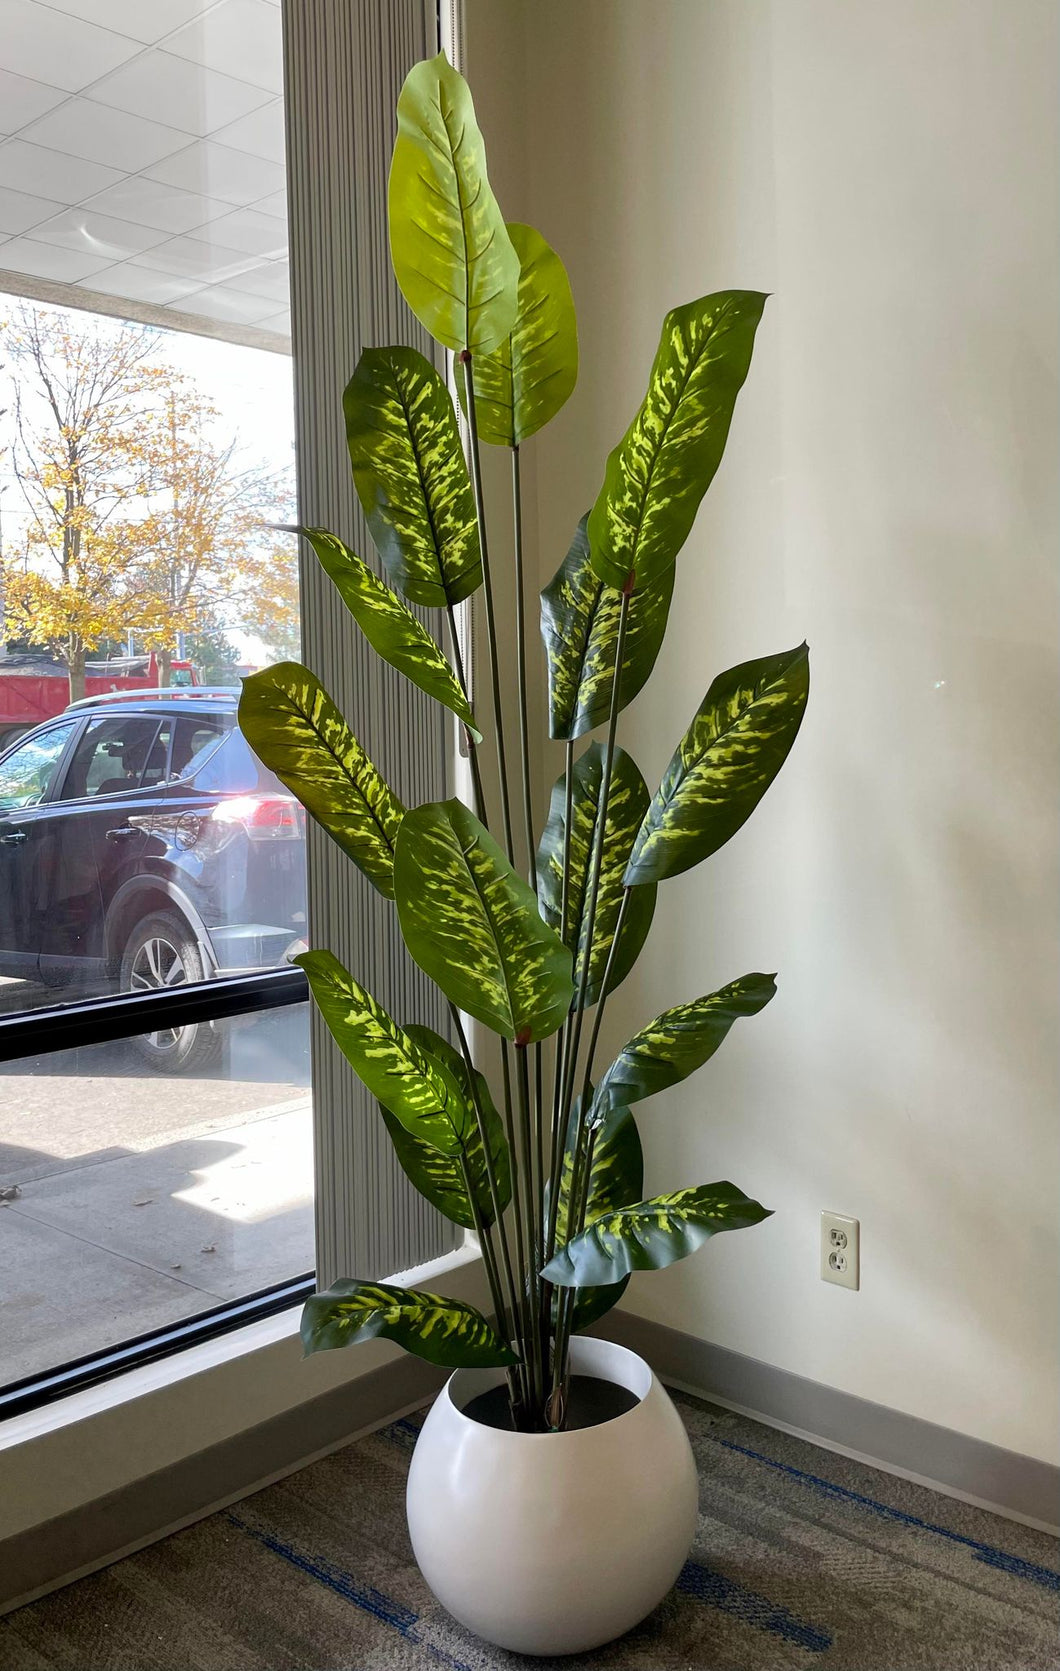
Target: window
146 450
27 772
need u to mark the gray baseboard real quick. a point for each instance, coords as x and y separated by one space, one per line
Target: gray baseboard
81 1541
1021 1487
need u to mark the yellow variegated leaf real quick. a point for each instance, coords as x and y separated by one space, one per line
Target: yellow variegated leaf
416 1087
411 476
526 380
444 1331
660 470
579 624
472 925
728 757
291 723
452 255
652 1234
627 803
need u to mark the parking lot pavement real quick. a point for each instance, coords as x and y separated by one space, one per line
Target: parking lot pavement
130 1199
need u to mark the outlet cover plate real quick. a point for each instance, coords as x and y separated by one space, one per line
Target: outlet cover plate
840 1250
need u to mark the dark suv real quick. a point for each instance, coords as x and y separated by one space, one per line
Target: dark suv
142 845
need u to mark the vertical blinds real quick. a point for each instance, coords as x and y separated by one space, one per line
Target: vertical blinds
344 65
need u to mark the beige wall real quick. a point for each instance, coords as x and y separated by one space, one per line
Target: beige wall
888 172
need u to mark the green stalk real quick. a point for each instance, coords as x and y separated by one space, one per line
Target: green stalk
559 1129
520 656
515 1391
464 358
518 1185
533 1231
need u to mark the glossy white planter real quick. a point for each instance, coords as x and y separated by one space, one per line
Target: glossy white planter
553 1543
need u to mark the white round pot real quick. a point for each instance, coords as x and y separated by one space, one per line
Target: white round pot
553 1543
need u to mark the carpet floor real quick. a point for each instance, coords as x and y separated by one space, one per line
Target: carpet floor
803 1559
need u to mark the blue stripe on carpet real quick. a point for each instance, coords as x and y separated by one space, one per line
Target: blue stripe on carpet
706 1585
382 1607
999 1558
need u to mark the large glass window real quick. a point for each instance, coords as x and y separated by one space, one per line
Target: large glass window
146 463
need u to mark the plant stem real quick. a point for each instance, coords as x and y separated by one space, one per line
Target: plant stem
520 654
599 1016
519 1183
492 1276
464 358
532 1230
472 746
559 1129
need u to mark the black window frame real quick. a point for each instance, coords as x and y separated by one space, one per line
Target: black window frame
122 1016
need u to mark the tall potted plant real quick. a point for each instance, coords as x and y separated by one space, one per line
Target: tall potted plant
552 1495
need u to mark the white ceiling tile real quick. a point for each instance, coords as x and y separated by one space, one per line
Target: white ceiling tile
150 203
247 229
260 133
44 173
278 322
95 234
190 258
139 284
181 94
19 211
84 129
144 20
59 50
24 255
218 171
276 204
238 36
22 100
221 302
273 280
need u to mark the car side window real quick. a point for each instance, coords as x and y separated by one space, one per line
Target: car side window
118 752
27 773
194 740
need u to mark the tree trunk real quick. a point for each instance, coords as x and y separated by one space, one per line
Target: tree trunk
75 662
164 659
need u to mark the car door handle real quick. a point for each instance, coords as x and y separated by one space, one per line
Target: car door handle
123 833
14 839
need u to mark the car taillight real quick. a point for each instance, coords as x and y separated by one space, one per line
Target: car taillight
264 817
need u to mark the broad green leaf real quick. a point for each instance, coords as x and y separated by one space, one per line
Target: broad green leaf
728 757
652 1234
678 1042
616 1179
446 1332
525 381
626 806
389 626
657 475
452 255
472 925
579 624
411 476
439 1177
417 1088
293 726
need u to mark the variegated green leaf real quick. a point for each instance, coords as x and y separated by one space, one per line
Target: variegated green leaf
417 1088
626 806
390 626
446 1332
652 1234
440 1177
472 925
657 475
728 757
678 1042
451 252
292 725
411 476
616 1179
525 381
579 624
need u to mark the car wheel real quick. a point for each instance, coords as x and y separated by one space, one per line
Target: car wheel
162 953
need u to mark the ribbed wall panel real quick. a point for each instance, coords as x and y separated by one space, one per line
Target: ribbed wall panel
345 62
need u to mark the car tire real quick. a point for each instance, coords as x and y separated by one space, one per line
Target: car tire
162 952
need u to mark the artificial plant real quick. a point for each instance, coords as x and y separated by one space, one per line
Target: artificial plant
551 1182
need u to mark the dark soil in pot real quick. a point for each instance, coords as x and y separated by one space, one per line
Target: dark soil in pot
592 1402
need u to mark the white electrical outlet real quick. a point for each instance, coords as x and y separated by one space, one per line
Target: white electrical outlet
840 1250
